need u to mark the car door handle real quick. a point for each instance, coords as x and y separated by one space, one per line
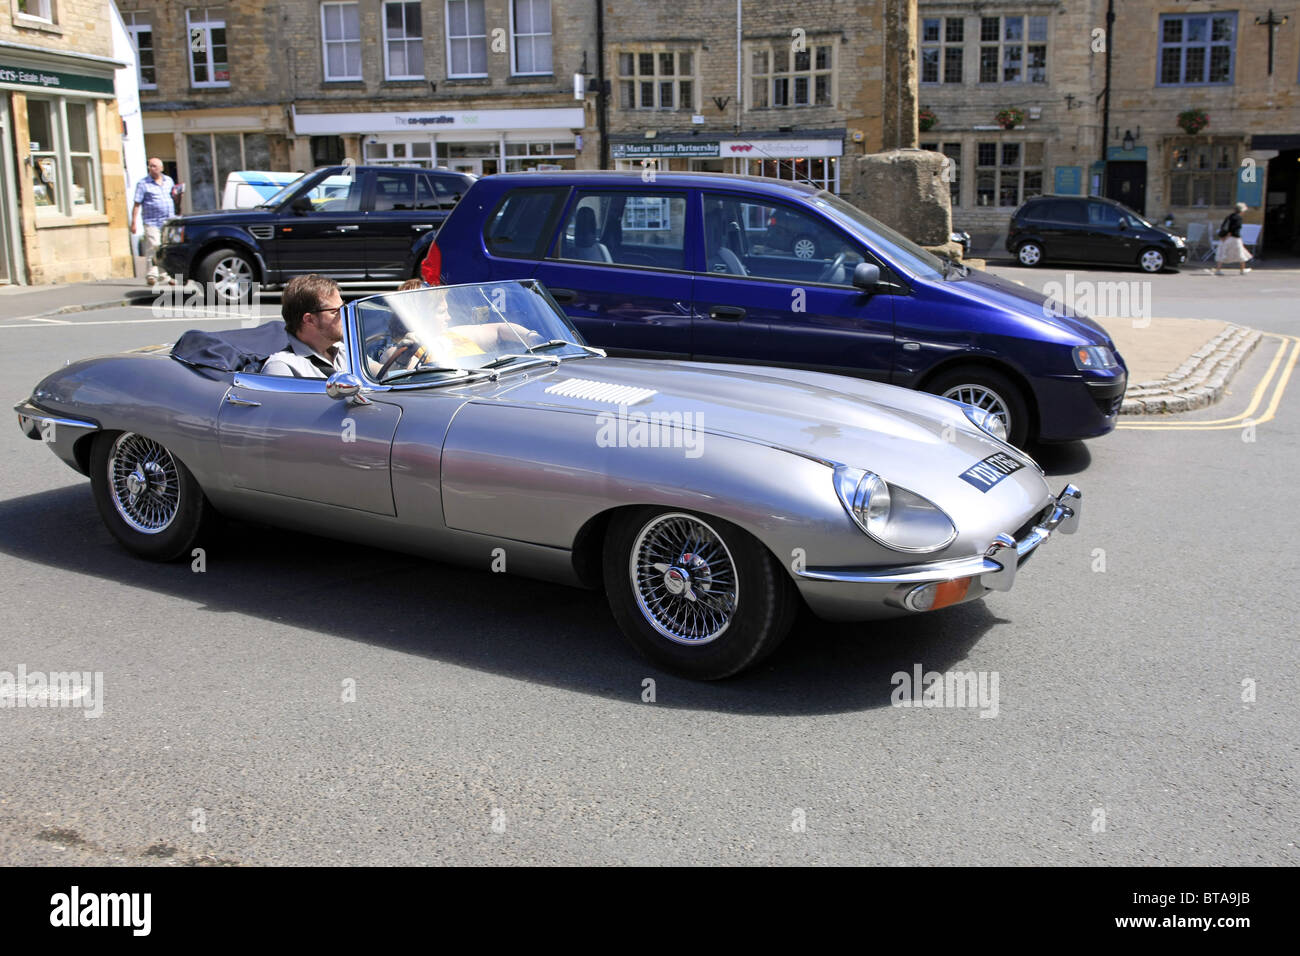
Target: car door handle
232 400
726 313
563 295
423 227
346 228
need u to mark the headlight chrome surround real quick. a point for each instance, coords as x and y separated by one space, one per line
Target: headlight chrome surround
989 424
899 519
1089 358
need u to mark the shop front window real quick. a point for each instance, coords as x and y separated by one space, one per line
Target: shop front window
214 156
65 156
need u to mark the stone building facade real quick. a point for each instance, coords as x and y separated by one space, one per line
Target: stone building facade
63 214
1047 59
792 90
478 85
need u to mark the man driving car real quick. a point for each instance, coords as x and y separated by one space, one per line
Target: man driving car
313 316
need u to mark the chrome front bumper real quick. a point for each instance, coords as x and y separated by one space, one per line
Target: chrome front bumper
993 570
59 432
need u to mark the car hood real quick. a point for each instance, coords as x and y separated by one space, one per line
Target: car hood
913 439
229 217
985 287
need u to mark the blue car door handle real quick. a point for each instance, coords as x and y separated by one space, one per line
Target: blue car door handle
726 313
563 295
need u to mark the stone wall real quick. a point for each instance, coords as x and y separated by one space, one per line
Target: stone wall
905 189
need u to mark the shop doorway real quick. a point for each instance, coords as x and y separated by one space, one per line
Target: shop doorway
477 167
1282 204
1126 182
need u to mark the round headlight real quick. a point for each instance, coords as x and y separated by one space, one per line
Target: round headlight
993 424
897 518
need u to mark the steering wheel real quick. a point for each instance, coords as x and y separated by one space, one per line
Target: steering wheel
833 268
408 350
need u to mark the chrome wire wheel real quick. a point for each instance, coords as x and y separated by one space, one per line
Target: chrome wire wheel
684 579
232 277
982 397
144 483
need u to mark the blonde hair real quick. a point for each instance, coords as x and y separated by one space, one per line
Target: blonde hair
1241 207
410 284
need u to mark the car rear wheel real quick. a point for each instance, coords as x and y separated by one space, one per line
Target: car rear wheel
227 276
804 246
1029 253
147 497
1151 260
991 391
696 595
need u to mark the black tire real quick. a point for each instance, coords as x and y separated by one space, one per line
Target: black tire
1031 251
765 599
1017 415
227 276
1152 260
169 491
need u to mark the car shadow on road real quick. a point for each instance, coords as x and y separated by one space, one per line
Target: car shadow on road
1062 458
522 629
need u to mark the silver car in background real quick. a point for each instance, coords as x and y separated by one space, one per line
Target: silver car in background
475 426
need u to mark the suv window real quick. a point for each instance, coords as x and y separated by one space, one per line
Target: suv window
626 228
523 222
340 193
395 191
1102 214
1065 210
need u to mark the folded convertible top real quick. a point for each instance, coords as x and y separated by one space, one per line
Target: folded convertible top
233 350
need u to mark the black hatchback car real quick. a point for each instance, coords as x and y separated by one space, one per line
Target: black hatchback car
357 223
1090 229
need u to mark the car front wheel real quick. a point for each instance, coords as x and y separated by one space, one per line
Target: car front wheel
1151 260
696 595
987 389
228 276
147 497
1029 253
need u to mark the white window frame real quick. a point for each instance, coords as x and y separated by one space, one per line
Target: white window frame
64 207
462 37
137 22
345 42
47 12
791 75
1002 44
405 39
942 45
207 24
1020 170
514 35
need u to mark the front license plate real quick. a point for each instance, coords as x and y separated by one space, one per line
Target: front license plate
987 473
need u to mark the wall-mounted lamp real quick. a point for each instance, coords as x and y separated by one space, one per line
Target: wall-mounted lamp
1128 140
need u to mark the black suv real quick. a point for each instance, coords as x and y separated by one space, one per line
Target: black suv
1090 229
358 223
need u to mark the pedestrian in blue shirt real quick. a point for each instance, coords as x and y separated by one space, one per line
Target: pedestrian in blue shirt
155 195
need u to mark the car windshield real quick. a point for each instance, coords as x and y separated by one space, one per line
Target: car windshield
440 334
284 192
892 245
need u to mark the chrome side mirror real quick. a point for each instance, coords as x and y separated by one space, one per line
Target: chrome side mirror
345 385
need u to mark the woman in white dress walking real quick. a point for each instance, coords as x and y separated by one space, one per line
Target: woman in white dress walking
1231 248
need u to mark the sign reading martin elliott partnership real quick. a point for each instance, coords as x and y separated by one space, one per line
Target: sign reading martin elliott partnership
53 80
651 149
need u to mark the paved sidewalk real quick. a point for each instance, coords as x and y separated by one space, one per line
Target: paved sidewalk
32 301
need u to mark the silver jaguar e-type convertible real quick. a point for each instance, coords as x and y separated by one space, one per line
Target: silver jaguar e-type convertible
474 425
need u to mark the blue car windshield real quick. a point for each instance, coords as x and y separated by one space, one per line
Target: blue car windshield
891 245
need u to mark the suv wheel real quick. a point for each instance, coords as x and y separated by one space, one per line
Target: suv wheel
1151 260
228 276
1029 253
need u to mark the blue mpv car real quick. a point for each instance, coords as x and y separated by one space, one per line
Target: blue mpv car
740 269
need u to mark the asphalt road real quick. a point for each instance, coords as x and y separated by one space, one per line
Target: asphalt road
499 720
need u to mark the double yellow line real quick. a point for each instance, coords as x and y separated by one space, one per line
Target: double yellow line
1290 342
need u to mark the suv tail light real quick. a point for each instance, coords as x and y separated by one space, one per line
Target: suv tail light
431 268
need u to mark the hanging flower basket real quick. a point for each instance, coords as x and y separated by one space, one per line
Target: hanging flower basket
926 119
1192 122
1010 118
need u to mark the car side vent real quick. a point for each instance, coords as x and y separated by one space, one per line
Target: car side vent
264 231
606 392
